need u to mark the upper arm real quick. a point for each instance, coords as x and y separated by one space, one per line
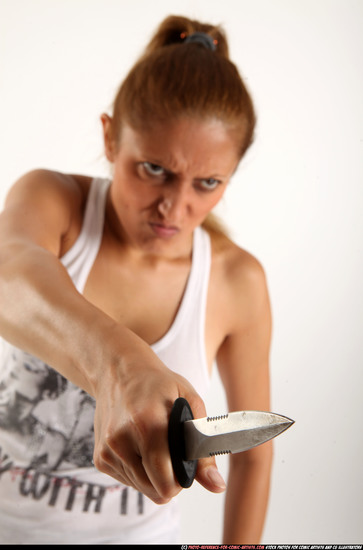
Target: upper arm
243 357
39 210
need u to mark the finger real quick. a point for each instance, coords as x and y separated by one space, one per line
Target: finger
209 476
109 460
128 471
138 479
104 462
157 464
142 462
207 472
197 405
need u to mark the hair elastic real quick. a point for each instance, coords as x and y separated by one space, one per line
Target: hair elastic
201 38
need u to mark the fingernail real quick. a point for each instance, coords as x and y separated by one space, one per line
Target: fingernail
216 478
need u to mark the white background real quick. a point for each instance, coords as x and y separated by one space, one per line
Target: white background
295 203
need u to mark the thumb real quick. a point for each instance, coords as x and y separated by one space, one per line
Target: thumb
207 472
208 475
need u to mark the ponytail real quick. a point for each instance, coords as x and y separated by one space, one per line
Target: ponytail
178 76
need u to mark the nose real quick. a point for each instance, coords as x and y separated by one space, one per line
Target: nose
164 206
174 203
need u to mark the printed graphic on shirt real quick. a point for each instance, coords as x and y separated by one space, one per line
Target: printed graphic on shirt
51 421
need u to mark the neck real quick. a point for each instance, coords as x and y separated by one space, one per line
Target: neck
179 248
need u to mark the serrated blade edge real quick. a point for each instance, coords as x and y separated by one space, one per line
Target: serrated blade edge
232 433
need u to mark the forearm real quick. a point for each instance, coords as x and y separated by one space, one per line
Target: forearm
42 313
247 498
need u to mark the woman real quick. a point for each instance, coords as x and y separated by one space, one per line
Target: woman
130 291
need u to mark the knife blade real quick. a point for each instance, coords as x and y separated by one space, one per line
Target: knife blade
234 432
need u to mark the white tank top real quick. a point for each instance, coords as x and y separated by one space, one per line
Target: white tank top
49 490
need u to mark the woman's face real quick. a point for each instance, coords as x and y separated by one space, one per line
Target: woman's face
167 179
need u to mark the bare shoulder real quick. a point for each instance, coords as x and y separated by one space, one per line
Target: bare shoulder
236 267
45 199
240 279
43 184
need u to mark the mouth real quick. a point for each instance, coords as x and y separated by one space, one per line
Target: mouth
163 230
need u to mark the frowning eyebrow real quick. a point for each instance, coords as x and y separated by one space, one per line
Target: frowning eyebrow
161 164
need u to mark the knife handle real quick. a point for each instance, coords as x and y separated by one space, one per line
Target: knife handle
184 470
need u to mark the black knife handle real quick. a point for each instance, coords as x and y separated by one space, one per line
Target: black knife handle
184 470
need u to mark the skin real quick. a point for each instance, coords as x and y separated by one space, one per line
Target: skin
165 182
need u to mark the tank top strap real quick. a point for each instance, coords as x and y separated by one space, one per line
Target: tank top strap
182 348
80 258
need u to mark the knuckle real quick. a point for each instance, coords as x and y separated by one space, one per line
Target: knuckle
167 491
140 425
154 459
98 462
115 442
101 456
161 500
197 405
104 452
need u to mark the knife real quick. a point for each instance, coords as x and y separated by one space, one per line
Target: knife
234 432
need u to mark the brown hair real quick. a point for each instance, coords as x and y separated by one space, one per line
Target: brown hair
174 78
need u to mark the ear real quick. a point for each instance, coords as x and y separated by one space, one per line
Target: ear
109 142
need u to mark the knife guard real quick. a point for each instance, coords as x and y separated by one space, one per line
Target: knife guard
184 470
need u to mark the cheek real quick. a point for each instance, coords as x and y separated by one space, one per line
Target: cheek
130 201
122 195
202 211
213 201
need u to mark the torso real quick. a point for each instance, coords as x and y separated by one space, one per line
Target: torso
145 295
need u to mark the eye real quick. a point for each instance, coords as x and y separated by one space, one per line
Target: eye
153 169
209 184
